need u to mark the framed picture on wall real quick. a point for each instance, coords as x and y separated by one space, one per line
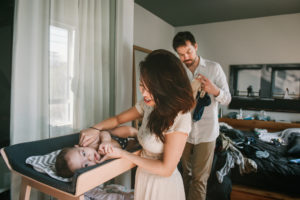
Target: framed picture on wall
272 87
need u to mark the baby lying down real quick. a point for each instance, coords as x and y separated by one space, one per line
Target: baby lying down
72 158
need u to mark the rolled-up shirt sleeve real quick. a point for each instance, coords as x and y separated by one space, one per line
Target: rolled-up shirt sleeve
224 96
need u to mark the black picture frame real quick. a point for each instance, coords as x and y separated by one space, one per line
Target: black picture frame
265 98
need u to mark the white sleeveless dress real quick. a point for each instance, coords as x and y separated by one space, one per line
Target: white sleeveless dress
150 186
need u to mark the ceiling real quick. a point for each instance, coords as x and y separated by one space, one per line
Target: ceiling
191 12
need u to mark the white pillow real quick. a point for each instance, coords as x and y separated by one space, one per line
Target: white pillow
46 164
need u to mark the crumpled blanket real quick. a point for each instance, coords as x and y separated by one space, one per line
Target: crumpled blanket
234 156
282 136
109 192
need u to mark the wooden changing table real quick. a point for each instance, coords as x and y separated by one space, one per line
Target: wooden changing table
83 180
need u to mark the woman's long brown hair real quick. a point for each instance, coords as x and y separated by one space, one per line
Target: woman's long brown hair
165 77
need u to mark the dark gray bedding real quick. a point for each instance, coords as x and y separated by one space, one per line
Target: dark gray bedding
275 172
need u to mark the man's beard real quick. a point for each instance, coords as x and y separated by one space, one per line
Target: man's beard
190 64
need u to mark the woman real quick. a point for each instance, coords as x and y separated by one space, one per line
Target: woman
167 100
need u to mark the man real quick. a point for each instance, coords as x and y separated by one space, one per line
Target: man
199 150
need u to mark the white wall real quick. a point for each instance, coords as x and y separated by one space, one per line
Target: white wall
267 40
150 31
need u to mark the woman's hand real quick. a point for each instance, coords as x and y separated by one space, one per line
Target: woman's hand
88 136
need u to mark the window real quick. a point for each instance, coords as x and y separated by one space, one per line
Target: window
61 75
274 87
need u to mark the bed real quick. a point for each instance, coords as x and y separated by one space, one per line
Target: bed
83 179
276 177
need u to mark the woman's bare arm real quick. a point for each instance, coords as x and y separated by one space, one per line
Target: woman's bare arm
124 131
173 148
87 136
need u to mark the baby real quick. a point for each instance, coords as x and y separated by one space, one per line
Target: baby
72 158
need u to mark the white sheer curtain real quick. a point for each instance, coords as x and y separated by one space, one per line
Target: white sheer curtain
79 64
61 73
60 80
30 94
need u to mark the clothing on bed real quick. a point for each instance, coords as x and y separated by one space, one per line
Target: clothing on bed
215 189
234 156
297 161
275 172
283 137
294 146
150 186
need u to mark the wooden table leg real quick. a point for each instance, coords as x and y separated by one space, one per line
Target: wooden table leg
25 190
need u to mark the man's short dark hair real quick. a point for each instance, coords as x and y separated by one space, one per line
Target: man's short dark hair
61 164
181 37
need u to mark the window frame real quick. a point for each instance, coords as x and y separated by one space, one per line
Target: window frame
70 74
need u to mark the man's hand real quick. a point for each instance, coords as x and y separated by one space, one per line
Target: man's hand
208 86
88 136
